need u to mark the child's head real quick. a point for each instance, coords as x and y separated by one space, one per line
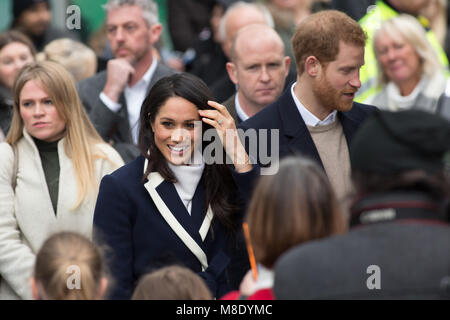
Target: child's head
69 267
172 283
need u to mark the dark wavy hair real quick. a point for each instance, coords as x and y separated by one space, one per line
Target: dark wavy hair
217 178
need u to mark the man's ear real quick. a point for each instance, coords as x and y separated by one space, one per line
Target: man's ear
155 32
312 66
287 62
232 72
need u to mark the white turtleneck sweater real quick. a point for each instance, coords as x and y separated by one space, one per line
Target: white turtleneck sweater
188 177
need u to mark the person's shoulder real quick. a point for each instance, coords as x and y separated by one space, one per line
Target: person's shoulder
132 171
269 117
110 153
229 102
97 79
264 119
163 71
311 249
6 151
360 111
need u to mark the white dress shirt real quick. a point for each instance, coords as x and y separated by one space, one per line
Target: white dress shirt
134 96
240 112
310 119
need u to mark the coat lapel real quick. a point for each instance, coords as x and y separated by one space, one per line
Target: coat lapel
171 208
124 126
170 197
349 126
295 130
201 223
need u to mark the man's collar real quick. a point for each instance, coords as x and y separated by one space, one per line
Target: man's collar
146 78
239 111
149 74
310 119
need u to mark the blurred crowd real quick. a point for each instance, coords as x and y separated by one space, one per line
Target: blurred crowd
351 104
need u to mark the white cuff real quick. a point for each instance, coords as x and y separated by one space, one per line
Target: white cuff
113 106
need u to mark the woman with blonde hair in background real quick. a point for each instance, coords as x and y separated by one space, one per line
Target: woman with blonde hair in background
51 167
411 76
77 58
69 267
287 209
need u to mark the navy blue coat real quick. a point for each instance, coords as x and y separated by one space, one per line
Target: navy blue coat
294 136
128 219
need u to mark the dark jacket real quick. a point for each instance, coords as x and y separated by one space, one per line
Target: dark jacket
294 137
401 238
144 224
230 103
186 19
6 109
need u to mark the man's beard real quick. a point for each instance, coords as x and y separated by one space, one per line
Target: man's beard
329 97
135 57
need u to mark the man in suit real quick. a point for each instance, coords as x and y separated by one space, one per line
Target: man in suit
258 68
398 246
113 97
237 16
316 116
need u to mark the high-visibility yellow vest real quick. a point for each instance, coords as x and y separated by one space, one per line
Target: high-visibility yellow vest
370 23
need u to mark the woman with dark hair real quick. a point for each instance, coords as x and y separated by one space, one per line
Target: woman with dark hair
174 202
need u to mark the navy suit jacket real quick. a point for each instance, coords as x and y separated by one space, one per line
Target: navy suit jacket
128 220
294 136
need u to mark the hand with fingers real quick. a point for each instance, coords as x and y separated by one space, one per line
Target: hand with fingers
118 73
223 122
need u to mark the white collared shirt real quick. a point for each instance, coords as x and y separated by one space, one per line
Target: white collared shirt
134 96
240 112
310 119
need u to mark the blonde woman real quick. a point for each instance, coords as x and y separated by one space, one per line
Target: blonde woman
61 255
77 58
51 165
411 76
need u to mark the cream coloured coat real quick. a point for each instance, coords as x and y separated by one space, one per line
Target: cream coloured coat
27 217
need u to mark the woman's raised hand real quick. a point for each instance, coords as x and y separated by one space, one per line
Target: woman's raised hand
224 124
